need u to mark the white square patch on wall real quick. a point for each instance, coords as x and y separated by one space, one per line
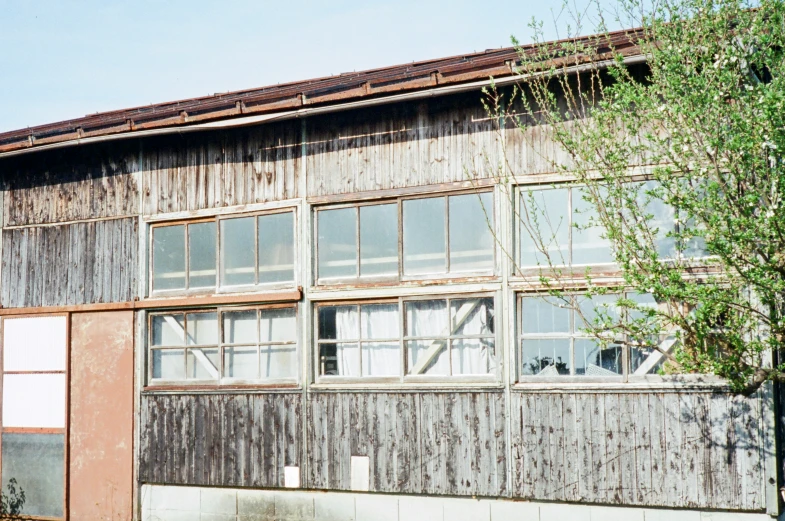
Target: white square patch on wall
291 477
361 473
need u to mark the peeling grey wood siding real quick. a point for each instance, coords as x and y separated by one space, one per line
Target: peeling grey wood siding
71 185
420 443
688 449
220 439
413 144
216 169
81 263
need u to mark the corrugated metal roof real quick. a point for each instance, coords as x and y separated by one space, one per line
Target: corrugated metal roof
372 83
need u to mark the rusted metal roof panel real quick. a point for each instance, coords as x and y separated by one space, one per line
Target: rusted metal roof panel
320 91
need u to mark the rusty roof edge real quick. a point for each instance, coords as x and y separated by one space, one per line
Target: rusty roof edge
241 121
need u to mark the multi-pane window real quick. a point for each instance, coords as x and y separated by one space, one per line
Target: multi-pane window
231 252
33 418
224 346
436 337
406 238
559 337
558 227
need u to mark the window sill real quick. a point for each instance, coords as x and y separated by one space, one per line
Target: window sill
431 386
219 389
158 302
693 383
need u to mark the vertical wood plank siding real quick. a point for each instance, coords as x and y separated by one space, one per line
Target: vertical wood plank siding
408 144
691 450
81 263
71 184
220 439
418 443
211 170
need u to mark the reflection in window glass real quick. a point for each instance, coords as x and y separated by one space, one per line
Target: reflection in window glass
424 242
247 344
168 364
37 462
556 341
337 243
201 255
544 227
471 237
240 327
379 240
169 257
588 244
202 329
276 248
237 251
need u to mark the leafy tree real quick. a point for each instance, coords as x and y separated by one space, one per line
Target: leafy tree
11 503
704 124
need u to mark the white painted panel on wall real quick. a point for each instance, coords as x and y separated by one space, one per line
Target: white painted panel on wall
34 344
291 477
361 473
34 400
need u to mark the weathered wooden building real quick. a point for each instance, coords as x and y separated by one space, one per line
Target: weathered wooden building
301 302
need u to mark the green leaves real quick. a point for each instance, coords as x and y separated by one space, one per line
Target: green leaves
704 122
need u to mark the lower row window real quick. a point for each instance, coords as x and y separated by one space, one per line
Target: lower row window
407 338
250 344
558 338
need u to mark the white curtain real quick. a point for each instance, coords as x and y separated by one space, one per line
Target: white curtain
346 328
380 322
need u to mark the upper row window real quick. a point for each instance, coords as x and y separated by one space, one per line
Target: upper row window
232 252
406 238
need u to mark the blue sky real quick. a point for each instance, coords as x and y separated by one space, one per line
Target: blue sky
65 59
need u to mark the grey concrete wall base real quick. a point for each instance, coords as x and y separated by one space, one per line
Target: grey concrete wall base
169 503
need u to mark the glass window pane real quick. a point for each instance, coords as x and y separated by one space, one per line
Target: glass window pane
337 243
241 362
546 357
424 244
594 310
276 248
202 364
428 357
591 359
328 361
201 255
379 321
663 219
544 223
381 359
169 257
37 463
240 327
379 240
471 232
588 245
473 356
472 316
202 328
168 330
278 325
34 344
427 318
34 400
544 316
237 251
279 361
168 364
339 322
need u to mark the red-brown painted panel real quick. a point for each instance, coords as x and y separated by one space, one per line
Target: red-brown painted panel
101 416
